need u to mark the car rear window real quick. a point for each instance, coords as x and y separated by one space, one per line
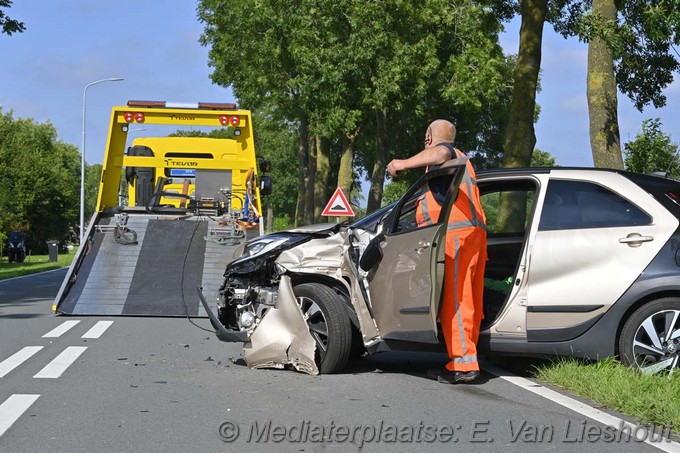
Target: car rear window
579 204
665 191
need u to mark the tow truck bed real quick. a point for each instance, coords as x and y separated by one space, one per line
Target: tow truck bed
157 276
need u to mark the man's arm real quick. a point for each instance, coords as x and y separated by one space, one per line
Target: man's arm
429 156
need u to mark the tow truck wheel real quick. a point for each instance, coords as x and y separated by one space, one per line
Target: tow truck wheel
328 323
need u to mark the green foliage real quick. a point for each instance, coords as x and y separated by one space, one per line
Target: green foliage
40 184
223 132
93 174
394 190
277 142
282 222
378 72
652 150
7 24
540 158
643 40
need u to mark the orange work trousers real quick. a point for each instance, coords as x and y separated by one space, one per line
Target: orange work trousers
461 312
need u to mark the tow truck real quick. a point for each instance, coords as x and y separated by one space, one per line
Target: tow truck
170 213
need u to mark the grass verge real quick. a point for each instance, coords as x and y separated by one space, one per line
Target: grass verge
648 398
34 264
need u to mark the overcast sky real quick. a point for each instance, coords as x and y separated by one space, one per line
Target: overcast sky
154 46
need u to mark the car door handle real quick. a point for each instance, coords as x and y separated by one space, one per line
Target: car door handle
422 245
635 239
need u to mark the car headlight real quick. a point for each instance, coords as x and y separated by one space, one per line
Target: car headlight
263 246
268 244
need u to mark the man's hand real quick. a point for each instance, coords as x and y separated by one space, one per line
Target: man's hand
395 166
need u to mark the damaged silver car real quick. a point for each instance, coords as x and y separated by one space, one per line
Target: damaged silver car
582 262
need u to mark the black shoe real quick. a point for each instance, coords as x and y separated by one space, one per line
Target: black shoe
453 377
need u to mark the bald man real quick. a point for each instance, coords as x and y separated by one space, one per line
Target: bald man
461 311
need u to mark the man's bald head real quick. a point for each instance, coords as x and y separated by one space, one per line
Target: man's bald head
442 131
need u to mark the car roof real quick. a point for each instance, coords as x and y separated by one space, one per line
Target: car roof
638 178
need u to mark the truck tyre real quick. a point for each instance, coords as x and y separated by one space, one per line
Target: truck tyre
650 338
328 323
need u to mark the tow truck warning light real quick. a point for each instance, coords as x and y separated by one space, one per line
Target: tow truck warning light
226 120
184 105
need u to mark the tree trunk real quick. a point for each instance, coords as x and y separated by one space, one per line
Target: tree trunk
605 140
323 175
346 170
520 137
311 181
303 175
378 175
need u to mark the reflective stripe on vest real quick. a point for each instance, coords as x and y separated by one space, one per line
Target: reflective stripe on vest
469 182
425 219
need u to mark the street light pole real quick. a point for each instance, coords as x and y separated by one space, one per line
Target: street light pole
82 158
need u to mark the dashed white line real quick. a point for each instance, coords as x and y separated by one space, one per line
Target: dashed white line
62 329
606 419
13 408
17 359
56 367
98 329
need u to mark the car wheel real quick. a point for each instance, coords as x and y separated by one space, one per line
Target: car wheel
328 323
650 338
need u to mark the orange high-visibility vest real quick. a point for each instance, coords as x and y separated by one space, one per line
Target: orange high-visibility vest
467 209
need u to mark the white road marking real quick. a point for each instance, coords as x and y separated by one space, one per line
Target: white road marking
13 408
17 359
60 330
577 406
56 367
98 329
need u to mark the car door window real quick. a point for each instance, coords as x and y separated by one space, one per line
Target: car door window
580 204
407 214
507 211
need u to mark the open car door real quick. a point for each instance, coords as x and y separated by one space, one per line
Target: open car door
405 286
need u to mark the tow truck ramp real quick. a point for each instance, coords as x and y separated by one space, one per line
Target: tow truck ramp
150 267
171 211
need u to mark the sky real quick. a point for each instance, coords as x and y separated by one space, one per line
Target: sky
153 45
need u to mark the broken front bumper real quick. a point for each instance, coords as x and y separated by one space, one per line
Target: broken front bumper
230 336
281 338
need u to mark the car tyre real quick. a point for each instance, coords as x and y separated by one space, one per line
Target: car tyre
328 323
650 338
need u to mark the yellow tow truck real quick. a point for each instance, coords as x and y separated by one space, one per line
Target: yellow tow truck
171 211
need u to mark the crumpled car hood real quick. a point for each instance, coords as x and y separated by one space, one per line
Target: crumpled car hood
311 228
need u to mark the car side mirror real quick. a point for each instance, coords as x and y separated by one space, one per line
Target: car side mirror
265 185
373 254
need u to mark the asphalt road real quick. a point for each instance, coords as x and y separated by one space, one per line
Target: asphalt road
159 384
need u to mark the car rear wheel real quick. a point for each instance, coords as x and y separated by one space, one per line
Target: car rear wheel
650 338
328 323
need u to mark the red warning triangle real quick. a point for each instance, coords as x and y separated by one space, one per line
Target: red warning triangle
338 205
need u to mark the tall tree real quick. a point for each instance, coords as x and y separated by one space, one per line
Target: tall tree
42 192
637 39
605 140
520 137
369 75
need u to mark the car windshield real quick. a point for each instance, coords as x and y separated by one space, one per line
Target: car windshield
370 222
